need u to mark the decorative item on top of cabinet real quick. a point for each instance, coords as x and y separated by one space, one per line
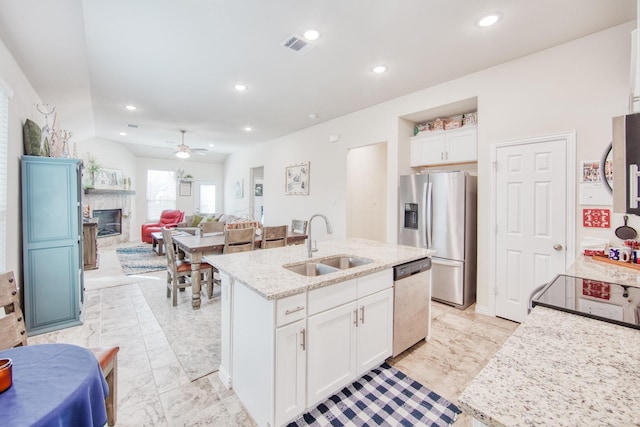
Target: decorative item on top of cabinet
445 147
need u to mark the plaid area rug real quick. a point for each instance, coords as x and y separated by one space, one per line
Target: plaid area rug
140 259
383 397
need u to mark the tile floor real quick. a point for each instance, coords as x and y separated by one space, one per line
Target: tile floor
155 390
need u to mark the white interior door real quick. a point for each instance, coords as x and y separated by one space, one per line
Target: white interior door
531 220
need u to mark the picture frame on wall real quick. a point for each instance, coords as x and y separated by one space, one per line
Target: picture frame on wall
185 189
258 190
108 179
296 179
239 189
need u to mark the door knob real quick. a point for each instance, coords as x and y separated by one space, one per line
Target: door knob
557 247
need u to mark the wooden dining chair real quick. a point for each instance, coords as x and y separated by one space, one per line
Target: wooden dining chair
299 226
239 240
13 333
211 227
274 237
179 272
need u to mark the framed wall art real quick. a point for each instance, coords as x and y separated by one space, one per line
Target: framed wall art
108 179
296 179
239 189
185 188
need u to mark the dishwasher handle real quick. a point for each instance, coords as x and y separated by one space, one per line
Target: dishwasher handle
410 268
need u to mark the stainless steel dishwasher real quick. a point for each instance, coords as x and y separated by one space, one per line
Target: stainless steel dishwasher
411 303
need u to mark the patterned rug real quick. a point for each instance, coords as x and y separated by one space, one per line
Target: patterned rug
140 259
383 397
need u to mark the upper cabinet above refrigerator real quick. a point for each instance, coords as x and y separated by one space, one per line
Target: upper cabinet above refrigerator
445 147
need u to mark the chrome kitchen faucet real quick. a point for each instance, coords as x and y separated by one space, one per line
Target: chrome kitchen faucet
311 250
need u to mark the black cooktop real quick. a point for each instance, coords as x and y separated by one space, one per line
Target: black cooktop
610 302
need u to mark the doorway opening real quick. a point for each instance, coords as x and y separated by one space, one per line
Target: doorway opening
367 192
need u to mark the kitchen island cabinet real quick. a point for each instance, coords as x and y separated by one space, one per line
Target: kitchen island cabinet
290 341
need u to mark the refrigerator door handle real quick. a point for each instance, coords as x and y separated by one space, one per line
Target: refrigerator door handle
429 212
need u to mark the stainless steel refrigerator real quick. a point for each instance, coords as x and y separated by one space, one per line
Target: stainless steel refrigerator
438 211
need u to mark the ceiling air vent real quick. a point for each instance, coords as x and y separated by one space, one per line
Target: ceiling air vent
131 125
297 44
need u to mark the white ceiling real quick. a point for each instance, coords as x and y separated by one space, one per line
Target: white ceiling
177 61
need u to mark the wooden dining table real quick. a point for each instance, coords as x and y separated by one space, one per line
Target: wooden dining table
196 246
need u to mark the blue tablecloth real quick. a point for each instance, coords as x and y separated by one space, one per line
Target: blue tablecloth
54 385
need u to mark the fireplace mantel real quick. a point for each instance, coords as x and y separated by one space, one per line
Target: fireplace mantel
109 192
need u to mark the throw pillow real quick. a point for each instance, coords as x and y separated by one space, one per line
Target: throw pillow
196 220
208 219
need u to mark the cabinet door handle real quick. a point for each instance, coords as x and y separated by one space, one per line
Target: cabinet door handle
441 155
362 315
294 310
303 344
355 316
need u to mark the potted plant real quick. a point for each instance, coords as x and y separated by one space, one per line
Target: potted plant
93 168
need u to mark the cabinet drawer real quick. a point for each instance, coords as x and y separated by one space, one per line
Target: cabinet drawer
331 296
368 285
291 308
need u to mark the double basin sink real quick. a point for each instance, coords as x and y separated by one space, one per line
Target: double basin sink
327 265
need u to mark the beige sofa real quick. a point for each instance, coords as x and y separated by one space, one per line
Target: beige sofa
191 223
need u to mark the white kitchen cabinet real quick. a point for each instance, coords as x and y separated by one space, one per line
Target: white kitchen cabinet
443 147
375 330
332 352
349 339
291 370
282 357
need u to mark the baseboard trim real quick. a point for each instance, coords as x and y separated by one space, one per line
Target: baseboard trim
224 377
482 309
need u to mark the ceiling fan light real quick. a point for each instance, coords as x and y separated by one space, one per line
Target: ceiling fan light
182 154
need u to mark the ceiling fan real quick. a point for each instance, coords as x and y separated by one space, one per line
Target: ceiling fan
184 151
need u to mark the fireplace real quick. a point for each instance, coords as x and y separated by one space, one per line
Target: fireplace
109 222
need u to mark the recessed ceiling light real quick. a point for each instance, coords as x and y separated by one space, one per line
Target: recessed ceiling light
130 107
488 20
313 116
379 69
311 35
123 134
240 87
212 145
248 128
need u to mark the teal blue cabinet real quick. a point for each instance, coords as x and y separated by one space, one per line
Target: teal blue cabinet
52 243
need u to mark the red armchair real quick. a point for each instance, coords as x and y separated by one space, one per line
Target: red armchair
168 218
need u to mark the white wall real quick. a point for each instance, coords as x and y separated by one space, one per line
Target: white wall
21 107
367 192
578 86
212 172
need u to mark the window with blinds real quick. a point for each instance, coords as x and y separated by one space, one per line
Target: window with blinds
4 142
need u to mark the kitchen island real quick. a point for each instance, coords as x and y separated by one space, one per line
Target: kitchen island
290 340
562 369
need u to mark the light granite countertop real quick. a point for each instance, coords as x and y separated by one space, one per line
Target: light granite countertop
262 271
588 268
560 369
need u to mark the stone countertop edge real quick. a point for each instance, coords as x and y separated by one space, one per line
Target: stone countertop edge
559 369
262 270
587 268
